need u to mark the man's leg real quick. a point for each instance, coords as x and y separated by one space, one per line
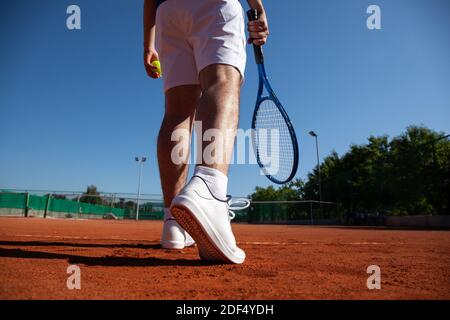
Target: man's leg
202 207
219 108
181 103
179 115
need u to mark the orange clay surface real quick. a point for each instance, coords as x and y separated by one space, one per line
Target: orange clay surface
123 260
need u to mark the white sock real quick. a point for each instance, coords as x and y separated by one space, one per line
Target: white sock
167 214
216 180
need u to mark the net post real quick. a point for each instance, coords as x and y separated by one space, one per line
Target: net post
27 203
47 204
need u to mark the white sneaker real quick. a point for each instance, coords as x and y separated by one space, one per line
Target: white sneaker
175 237
207 219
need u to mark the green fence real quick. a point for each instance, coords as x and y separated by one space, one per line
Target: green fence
15 203
147 211
25 204
292 212
282 212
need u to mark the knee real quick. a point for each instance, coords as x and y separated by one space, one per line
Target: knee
222 86
220 77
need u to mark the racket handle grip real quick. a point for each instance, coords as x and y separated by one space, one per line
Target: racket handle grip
252 15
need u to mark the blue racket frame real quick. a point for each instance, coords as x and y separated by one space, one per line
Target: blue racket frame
264 83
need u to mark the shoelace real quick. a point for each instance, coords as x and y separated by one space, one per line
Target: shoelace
236 205
233 204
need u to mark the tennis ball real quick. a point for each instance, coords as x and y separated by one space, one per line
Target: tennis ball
157 65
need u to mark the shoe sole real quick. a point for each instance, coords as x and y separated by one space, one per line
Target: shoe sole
173 245
206 247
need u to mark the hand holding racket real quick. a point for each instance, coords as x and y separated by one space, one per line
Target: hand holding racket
273 135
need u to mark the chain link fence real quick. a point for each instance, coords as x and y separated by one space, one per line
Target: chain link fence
124 206
79 205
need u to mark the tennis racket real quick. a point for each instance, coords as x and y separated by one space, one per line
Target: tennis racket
273 135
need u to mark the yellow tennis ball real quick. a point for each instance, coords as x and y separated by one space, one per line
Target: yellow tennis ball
157 65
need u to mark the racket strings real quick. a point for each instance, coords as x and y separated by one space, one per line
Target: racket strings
273 141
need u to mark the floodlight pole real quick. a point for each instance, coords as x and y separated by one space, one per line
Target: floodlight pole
313 134
141 162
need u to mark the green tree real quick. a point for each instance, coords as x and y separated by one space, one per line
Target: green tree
419 172
264 194
91 196
410 174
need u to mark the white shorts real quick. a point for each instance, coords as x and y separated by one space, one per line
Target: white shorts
193 34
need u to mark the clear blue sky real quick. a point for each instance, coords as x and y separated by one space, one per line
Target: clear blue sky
76 106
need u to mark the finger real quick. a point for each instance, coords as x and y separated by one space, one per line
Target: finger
256 28
259 42
258 35
259 27
152 73
148 59
256 23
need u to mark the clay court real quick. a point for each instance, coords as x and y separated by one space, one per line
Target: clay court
123 260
